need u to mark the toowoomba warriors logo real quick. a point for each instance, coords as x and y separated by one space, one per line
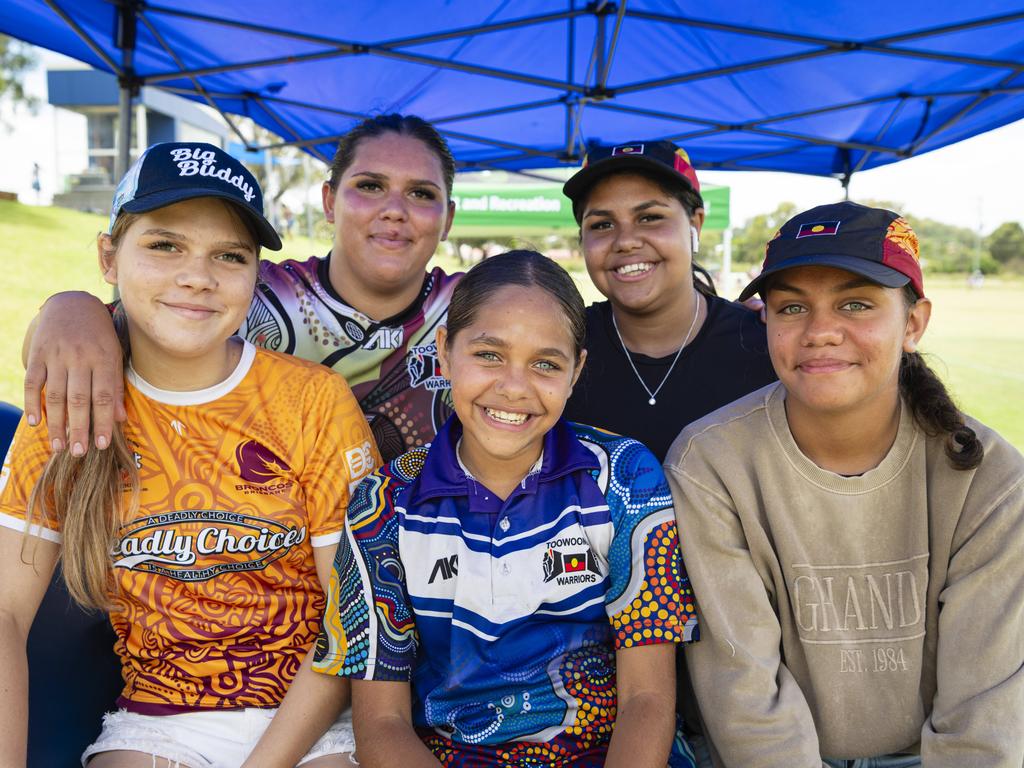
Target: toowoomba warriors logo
577 566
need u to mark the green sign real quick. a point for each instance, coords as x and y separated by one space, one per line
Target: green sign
716 208
540 209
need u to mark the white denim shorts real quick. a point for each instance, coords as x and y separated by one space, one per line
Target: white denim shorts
215 739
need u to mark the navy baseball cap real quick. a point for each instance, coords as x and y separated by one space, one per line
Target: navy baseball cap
870 242
661 159
171 172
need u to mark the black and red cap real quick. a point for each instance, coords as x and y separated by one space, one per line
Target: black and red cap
871 242
661 159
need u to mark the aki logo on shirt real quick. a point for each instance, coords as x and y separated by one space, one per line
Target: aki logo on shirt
570 567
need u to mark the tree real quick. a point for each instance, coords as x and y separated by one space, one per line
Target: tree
16 58
287 170
749 241
944 247
1006 243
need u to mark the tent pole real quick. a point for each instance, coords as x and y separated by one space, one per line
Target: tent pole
570 61
127 84
124 132
844 153
600 40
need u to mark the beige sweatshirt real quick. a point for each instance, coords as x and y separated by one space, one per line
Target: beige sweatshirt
847 617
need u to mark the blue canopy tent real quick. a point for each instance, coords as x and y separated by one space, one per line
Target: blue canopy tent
789 85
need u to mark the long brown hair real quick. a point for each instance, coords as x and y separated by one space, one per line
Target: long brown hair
86 497
933 408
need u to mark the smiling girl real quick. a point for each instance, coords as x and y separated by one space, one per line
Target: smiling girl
369 309
853 538
514 593
663 349
208 529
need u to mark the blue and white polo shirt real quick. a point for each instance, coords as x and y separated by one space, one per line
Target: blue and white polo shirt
505 615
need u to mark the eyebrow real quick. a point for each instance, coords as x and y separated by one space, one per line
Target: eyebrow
172 235
384 177
849 285
635 209
494 341
165 233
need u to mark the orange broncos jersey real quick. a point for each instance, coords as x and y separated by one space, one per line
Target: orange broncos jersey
219 593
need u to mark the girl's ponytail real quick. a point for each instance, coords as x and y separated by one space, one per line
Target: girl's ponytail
85 496
934 411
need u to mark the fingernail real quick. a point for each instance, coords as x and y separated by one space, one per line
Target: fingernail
77 450
57 445
101 442
32 420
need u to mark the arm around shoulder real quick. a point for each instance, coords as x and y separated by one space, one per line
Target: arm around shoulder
72 348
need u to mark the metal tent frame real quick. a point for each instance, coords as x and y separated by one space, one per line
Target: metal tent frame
948 93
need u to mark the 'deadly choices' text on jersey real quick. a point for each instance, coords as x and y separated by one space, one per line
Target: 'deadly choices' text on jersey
219 597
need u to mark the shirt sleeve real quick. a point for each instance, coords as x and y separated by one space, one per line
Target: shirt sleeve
340 451
368 630
650 600
753 708
26 459
977 717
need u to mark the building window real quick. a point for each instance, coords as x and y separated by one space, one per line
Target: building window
102 132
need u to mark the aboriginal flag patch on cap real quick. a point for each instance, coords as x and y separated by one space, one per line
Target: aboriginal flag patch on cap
660 159
814 228
871 242
628 149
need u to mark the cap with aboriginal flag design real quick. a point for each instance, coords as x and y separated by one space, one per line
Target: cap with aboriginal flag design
870 242
661 159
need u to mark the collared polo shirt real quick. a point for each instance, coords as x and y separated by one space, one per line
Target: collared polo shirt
505 615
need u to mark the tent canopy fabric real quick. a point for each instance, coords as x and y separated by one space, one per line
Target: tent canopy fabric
790 85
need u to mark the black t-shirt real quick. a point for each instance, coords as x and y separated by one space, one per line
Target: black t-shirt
727 359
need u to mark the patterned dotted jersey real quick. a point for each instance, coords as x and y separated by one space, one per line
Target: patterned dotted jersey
505 615
391 365
219 593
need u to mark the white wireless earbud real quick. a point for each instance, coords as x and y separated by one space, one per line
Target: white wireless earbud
694 240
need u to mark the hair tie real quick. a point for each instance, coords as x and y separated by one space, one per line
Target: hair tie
963 437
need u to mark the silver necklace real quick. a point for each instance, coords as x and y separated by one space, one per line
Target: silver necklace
654 395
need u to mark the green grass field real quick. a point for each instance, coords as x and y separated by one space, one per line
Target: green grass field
975 341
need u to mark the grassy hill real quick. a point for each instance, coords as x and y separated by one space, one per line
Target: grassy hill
975 341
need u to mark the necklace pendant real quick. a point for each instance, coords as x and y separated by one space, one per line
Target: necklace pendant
652 401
